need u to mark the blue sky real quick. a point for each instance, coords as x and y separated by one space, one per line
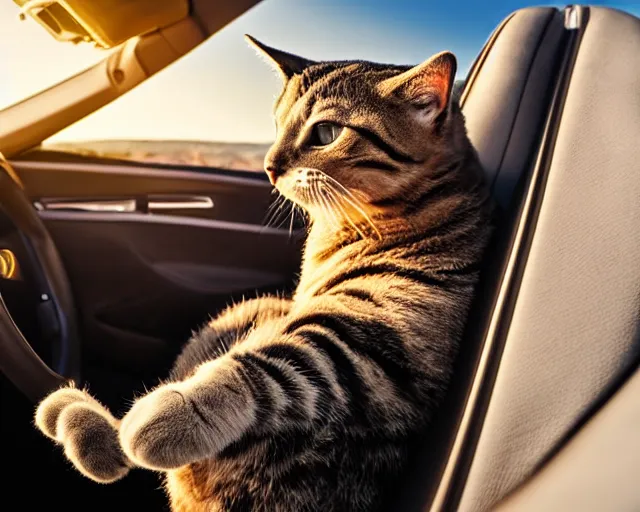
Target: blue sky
222 91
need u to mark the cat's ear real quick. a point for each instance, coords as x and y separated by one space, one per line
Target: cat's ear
426 86
286 63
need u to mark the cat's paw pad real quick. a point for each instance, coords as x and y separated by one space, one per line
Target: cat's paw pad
90 440
163 431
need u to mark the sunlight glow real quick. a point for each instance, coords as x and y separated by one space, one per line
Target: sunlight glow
221 91
31 60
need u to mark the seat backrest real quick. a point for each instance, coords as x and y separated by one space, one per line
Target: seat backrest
573 330
505 99
507 96
553 108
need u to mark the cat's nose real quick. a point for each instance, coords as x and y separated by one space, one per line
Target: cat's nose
273 172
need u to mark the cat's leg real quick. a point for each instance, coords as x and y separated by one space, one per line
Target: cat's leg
272 382
165 428
87 431
324 361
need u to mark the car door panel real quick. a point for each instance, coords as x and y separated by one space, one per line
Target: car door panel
237 196
145 278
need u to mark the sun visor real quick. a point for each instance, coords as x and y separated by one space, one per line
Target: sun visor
107 23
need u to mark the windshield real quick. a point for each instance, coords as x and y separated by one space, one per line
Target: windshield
213 107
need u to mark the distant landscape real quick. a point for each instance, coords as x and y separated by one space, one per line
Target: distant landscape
226 155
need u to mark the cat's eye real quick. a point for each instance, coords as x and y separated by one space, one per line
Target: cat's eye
324 134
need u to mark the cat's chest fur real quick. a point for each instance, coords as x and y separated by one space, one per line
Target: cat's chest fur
326 257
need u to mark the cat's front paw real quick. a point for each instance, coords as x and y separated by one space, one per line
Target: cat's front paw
163 431
49 409
91 442
86 430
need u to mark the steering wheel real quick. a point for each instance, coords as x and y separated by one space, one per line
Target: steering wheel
18 361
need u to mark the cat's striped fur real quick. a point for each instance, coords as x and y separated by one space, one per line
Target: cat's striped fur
313 402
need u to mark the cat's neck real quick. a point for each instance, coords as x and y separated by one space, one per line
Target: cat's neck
449 191
452 191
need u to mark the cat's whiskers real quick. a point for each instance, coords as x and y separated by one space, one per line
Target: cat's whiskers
335 214
293 214
329 203
307 189
328 212
347 196
275 211
343 200
283 216
274 205
344 213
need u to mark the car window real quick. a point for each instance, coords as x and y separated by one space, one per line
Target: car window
213 107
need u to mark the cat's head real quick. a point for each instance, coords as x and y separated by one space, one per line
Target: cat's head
356 139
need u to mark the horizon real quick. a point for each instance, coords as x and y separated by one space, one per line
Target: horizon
136 140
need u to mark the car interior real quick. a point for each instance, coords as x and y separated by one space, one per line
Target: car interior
118 262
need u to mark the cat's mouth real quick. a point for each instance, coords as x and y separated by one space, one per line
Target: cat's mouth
326 200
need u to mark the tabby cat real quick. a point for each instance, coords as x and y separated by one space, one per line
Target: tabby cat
313 403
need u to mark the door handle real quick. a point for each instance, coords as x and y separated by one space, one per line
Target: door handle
179 203
106 205
153 203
